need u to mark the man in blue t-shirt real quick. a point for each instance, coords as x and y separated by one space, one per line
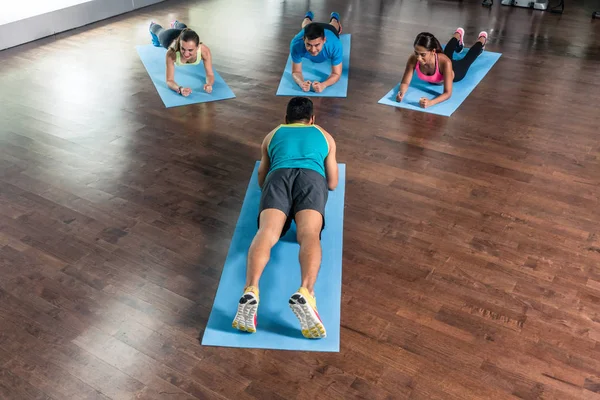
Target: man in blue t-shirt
317 42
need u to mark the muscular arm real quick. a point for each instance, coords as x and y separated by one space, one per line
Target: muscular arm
265 162
208 67
297 73
336 73
407 77
448 79
171 71
331 166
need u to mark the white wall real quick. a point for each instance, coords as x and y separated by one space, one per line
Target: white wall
49 23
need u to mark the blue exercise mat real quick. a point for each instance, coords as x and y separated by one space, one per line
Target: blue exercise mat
460 90
277 326
192 76
317 72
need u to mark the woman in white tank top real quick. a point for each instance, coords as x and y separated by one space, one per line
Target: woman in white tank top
184 48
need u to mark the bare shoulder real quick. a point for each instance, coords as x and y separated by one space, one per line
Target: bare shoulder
412 59
205 50
444 59
171 54
327 135
269 136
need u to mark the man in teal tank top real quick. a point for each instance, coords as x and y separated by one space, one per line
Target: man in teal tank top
297 168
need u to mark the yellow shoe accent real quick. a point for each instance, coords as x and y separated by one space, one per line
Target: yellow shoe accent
311 299
245 318
254 290
304 306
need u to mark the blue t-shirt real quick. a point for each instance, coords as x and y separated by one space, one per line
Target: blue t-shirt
332 49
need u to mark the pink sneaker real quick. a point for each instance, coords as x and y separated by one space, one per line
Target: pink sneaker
483 34
461 44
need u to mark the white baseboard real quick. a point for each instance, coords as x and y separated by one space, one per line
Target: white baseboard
30 29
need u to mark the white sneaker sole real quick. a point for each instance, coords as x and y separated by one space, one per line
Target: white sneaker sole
310 324
246 312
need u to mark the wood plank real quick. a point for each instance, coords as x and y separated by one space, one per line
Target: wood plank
471 245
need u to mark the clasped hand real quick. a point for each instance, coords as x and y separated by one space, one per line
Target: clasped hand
423 101
318 87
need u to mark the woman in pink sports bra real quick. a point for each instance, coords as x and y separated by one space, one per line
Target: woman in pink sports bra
436 66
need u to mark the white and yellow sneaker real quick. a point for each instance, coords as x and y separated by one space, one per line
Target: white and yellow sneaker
304 307
245 318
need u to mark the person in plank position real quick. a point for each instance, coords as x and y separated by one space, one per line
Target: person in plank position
317 42
183 48
297 168
436 66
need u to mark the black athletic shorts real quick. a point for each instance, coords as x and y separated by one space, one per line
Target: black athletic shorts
292 190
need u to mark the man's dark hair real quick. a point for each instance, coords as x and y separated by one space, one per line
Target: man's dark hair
314 31
299 109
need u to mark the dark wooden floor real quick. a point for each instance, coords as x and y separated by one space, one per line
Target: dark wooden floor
471 243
